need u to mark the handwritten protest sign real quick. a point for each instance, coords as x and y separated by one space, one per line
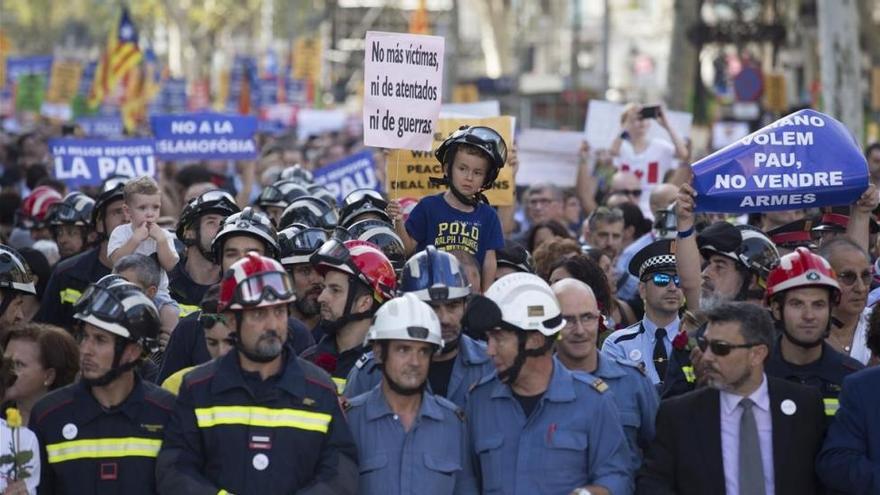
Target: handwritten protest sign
409 171
803 160
204 136
403 85
357 171
80 162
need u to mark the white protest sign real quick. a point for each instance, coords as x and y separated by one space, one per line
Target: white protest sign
478 110
310 122
403 84
548 156
603 124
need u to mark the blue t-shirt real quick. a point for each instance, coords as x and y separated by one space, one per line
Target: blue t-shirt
434 222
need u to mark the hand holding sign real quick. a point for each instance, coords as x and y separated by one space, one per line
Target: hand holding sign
803 160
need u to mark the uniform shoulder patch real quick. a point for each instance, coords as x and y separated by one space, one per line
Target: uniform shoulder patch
363 360
599 385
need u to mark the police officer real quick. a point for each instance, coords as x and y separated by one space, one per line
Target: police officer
258 420
70 222
199 222
102 434
358 278
409 440
650 341
801 292
16 280
436 278
297 244
72 276
536 427
240 233
577 350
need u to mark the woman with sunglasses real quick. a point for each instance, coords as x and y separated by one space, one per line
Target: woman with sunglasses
650 341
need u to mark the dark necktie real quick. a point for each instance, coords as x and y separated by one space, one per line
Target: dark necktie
751 466
661 359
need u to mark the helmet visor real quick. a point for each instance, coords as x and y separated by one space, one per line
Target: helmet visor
271 196
102 304
265 287
309 240
64 213
486 139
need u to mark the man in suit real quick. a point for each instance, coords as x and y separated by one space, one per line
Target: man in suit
850 459
743 433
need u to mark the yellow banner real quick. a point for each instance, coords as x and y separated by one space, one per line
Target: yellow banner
307 59
408 171
64 81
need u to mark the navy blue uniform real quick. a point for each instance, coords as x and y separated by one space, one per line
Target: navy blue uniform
88 449
338 364
68 281
826 374
184 289
187 347
573 438
471 365
232 432
426 460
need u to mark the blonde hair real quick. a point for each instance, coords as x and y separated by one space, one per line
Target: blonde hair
144 185
627 109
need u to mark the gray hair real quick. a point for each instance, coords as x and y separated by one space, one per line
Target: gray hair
755 323
553 189
605 214
829 248
145 268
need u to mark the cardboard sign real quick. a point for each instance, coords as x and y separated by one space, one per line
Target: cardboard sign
357 171
80 162
204 136
408 171
803 160
403 86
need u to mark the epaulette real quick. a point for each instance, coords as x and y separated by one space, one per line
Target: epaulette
363 360
356 401
315 374
200 373
599 385
54 400
590 379
851 364
640 366
482 381
627 335
159 396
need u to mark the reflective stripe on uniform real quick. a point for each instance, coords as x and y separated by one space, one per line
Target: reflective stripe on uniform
70 296
223 492
689 373
340 384
186 309
100 448
208 417
831 406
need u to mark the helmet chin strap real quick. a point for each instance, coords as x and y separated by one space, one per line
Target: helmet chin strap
398 389
804 344
510 375
117 370
446 180
331 327
451 346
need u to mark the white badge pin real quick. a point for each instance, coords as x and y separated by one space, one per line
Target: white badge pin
261 462
635 355
788 407
69 431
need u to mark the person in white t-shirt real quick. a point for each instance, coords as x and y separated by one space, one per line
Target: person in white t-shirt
650 159
24 438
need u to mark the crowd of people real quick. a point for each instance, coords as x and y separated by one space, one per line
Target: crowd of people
233 328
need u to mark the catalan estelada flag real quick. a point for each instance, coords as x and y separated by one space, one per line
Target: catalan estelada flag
121 55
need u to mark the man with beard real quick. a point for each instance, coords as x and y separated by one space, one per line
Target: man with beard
802 291
409 440
649 342
436 278
258 420
746 432
239 234
358 278
200 221
536 427
72 276
577 350
102 434
297 245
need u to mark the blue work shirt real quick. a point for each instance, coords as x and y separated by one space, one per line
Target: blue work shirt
573 438
426 460
471 365
636 399
636 343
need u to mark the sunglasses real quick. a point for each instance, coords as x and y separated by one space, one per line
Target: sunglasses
849 278
628 192
720 347
208 320
663 279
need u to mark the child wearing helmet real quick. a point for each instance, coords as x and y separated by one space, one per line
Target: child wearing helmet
460 217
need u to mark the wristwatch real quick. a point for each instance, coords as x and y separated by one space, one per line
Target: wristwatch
582 491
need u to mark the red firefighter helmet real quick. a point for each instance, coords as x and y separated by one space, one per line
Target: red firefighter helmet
362 260
802 268
255 281
35 207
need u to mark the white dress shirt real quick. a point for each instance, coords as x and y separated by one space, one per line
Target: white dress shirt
731 413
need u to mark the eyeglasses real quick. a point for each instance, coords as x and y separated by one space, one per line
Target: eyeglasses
208 320
663 279
720 347
628 192
850 277
586 320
